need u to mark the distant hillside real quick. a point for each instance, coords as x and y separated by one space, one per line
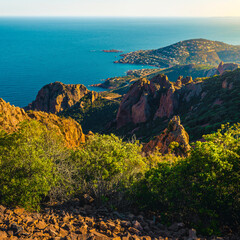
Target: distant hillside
195 51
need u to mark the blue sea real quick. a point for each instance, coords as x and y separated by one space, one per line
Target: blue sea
38 51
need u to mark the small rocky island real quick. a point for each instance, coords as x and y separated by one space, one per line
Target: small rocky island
112 51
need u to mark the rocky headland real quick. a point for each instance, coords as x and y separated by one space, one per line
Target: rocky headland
55 97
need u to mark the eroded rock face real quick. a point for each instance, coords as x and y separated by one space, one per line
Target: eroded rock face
134 102
11 116
69 128
175 132
159 98
167 104
222 67
147 100
226 67
55 97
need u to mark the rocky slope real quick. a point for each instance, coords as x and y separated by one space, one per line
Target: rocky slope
203 104
11 116
76 220
198 51
175 132
148 100
55 97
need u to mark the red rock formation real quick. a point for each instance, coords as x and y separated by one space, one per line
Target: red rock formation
55 97
222 67
167 104
226 67
130 103
146 100
175 132
11 116
141 110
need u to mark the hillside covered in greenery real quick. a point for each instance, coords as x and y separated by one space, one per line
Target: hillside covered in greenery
201 190
195 51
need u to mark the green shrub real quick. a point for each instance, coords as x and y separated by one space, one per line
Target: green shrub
202 189
107 167
27 164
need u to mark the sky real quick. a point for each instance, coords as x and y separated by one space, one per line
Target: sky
148 8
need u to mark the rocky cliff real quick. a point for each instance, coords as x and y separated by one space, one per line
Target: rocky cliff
56 97
175 132
203 104
222 67
11 116
148 100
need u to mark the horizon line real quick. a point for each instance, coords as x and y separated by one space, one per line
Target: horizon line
108 16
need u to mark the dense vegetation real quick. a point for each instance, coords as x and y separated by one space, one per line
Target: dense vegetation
220 105
34 164
93 116
27 164
201 189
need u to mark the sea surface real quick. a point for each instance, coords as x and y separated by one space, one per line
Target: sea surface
38 51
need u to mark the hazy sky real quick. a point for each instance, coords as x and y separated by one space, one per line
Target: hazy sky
161 8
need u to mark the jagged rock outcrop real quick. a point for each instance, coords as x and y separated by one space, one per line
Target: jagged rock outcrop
222 67
226 67
203 104
56 97
175 132
153 99
11 116
134 106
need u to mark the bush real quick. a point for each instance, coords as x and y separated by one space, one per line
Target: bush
107 167
27 164
202 189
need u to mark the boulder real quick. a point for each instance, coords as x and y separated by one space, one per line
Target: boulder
175 132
